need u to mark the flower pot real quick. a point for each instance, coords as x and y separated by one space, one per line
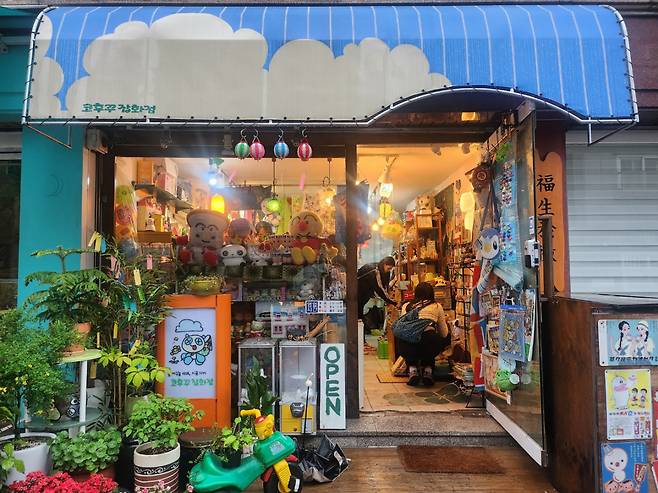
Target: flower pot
36 458
82 476
83 329
125 464
204 287
151 469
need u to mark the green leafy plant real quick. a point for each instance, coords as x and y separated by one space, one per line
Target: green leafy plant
70 295
93 451
9 462
161 420
229 441
259 395
29 372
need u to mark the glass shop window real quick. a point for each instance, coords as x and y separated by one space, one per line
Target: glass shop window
10 187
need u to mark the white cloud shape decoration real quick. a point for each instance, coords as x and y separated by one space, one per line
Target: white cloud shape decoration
47 74
187 325
196 65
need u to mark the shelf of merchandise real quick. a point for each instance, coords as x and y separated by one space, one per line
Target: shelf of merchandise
163 196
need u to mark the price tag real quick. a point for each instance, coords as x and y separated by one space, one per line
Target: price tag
137 276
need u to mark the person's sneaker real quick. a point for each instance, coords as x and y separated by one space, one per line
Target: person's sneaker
414 377
428 376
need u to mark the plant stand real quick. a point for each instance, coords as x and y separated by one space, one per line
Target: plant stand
87 416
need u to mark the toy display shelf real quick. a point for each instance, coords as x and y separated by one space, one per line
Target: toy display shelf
163 196
87 416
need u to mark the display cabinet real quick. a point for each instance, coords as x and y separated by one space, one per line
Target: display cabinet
260 351
298 368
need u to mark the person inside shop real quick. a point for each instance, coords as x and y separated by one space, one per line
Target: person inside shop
434 339
372 282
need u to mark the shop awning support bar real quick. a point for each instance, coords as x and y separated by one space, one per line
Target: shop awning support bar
68 144
591 142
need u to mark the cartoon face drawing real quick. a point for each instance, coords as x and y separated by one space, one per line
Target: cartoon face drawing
620 392
206 228
615 461
611 486
488 243
196 348
627 487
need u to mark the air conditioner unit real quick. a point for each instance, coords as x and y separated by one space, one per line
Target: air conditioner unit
96 141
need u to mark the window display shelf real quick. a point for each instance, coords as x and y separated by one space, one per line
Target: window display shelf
163 196
38 423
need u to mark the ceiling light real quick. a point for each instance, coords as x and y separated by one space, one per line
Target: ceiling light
217 203
381 221
375 227
212 181
470 116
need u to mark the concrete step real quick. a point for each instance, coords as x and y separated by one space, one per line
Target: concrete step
465 428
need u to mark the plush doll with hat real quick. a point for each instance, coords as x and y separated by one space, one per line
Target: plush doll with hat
205 238
306 228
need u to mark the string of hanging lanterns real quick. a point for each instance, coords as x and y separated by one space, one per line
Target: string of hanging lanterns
281 150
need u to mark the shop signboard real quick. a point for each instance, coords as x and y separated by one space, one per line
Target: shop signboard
325 306
189 348
332 387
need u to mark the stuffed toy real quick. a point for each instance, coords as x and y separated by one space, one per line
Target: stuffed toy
272 217
233 255
306 228
239 231
205 239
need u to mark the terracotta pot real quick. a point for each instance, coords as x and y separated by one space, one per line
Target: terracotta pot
83 329
82 476
35 458
151 469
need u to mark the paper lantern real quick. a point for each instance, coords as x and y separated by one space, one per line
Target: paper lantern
241 149
467 202
385 209
218 204
281 149
273 205
385 190
304 150
257 150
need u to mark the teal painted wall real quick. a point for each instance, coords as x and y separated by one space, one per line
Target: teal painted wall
13 67
51 199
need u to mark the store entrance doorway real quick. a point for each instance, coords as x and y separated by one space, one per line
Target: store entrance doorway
458 218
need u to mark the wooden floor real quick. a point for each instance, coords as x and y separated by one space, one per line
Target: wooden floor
375 470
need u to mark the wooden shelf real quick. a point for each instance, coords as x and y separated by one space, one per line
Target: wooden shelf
163 196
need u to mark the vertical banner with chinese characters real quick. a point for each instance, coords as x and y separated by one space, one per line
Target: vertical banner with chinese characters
550 193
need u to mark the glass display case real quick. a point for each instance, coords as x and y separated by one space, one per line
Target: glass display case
298 386
260 351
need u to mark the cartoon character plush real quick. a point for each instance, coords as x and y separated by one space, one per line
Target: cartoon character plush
239 231
260 254
205 239
195 348
615 460
271 217
306 228
233 255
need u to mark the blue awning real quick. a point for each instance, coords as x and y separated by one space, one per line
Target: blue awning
322 63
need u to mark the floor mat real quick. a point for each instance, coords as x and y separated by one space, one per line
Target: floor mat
467 460
386 377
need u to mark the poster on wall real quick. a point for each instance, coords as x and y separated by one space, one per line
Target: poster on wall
628 404
512 332
624 467
189 346
490 363
628 342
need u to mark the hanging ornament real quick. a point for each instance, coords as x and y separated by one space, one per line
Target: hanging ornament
385 209
281 149
257 150
273 205
242 148
304 150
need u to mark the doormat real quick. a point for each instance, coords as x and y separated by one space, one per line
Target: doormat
386 377
456 460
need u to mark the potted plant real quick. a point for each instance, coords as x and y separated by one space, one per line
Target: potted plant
87 453
30 377
73 296
259 395
156 423
229 444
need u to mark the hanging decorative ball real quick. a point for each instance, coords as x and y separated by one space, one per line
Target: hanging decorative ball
257 150
273 205
304 151
281 149
241 149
